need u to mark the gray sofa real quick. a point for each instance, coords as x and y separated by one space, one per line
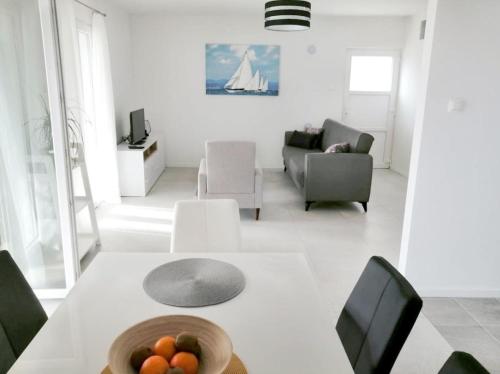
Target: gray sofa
332 176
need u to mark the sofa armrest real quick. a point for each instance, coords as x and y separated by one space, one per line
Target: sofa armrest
288 135
259 181
338 176
202 179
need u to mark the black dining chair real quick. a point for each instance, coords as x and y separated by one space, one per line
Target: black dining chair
462 363
21 314
377 318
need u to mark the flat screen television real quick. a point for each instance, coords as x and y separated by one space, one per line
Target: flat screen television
137 126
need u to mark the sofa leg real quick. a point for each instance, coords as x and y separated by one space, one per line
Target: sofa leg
308 205
365 206
257 213
284 168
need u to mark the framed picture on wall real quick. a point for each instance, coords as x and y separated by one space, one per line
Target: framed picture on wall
242 69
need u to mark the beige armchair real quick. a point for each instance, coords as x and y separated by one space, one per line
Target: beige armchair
229 171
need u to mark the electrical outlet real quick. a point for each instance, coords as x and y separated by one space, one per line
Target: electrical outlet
456 105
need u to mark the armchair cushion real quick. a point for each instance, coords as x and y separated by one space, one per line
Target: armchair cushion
230 167
230 171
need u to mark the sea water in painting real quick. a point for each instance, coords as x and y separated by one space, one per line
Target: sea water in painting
242 69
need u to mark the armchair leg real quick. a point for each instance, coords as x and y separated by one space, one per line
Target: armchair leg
257 213
284 168
308 205
365 206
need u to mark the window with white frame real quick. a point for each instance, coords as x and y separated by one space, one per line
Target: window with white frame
371 73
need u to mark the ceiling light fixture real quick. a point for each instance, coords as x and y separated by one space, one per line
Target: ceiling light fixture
287 15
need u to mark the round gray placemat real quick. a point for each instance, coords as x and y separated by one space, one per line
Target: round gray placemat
194 282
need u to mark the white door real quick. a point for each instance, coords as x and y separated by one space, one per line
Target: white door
370 98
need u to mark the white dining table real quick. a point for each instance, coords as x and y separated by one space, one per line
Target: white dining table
279 324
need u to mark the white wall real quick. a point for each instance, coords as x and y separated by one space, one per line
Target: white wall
409 85
118 24
451 236
169 73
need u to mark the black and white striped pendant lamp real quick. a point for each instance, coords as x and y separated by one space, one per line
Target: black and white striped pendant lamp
288 15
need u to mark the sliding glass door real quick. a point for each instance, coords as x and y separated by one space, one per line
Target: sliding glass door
36 220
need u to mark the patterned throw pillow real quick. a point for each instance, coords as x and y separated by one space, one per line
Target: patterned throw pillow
339 148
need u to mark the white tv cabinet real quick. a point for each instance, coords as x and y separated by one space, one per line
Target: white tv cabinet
139 169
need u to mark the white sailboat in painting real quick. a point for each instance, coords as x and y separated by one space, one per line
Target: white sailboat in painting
254 83
244 80
263 85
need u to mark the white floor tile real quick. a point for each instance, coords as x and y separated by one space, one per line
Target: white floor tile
485 311
446 312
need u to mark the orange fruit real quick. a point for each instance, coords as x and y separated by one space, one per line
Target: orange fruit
165 347
155 365
186 361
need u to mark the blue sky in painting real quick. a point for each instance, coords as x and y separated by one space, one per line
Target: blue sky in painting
222 60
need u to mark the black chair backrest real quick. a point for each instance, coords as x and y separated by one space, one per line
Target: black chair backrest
462 363
377 318
21 314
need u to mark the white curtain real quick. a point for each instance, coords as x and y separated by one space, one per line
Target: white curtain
104 174
104 108
29 226
68 38
16 203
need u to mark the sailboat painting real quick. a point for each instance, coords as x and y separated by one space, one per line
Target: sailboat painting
242 69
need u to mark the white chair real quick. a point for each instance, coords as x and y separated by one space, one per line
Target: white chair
206 226
229 171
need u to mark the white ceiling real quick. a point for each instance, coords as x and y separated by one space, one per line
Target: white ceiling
328 7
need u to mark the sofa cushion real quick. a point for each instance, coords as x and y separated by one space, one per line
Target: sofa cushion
295 160
297 153
335 132
301 139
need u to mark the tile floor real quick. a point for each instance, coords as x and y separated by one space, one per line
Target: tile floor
471 325
338 239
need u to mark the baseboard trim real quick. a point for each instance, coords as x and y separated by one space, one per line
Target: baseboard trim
455 292
273 169
182 165
191 166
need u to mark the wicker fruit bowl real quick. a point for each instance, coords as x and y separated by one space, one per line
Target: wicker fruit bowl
216 347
